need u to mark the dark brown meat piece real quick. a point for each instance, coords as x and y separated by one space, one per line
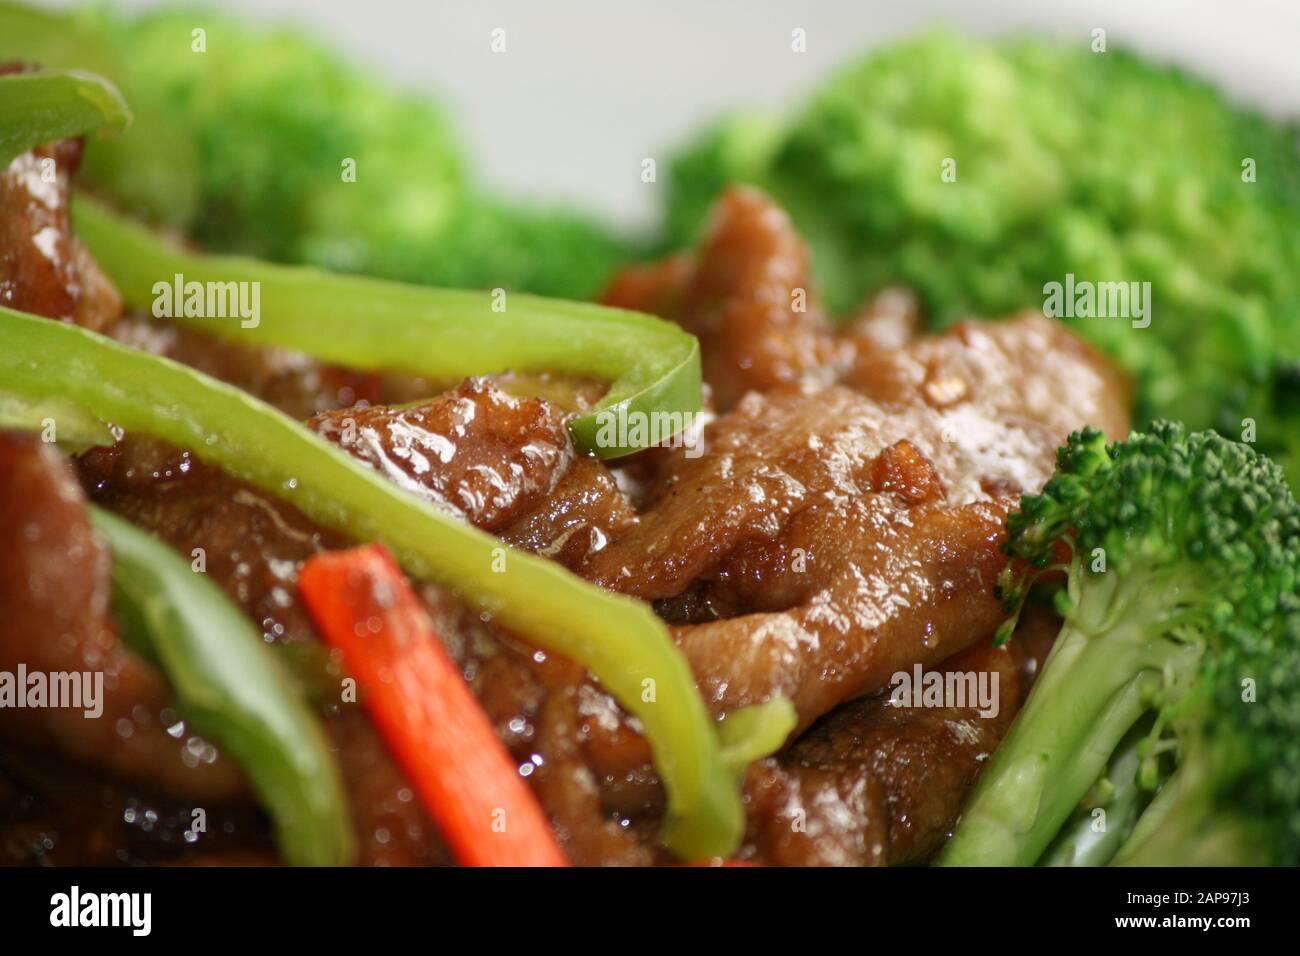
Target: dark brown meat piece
44 269
748 299
737 295
247 542
1025 368
776 455
504 464
837 540
833 532
55 589
653 287
541 705
875 784
253 548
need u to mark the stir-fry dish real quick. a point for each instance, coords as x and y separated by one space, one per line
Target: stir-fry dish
305 566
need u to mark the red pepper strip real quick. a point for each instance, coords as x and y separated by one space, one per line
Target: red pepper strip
425 711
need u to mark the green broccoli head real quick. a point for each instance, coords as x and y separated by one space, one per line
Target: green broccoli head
1181 554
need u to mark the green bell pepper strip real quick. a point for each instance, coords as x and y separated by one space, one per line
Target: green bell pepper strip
369 324
229 685
49 105
618 639
62 422
751 733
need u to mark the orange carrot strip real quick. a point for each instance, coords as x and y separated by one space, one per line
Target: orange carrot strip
425 711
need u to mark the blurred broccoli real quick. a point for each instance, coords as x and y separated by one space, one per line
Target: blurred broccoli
1067 161
242 148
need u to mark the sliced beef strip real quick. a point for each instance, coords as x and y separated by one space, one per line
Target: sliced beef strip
814 817
654 287
746 295
875 784
44 269
777 454
919 593
1024 368
787 566
247 542
504 464
55 591
836 538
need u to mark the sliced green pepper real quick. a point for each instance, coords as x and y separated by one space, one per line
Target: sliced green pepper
753 733
49 105
229 685
616 638
370 324
69 425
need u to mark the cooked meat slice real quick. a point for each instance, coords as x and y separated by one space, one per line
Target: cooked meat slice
55 590
876 784
888 322
249 543
477 452
748 300
1028 367
776 455
43 268
579 518
780 454
904 587
738 294
504 464
837 539
793 568
814 817
653 287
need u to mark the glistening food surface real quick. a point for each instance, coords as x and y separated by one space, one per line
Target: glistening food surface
316 569
838 521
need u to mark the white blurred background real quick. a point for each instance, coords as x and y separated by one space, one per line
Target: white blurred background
588 88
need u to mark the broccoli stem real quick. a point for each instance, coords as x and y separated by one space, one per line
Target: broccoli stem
1081 843
1096 684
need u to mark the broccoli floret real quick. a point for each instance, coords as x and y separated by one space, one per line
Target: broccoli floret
1066 161
1181 555
242 148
